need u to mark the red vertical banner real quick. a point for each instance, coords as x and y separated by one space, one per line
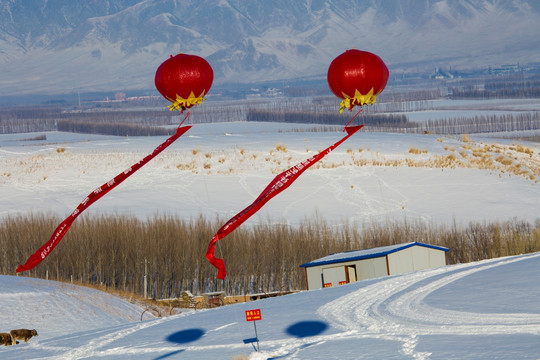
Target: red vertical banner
277 185
94 196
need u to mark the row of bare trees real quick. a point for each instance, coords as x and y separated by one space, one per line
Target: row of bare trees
378 120
115 129
400 123
496 94
108 122
114 251
315 110
482 124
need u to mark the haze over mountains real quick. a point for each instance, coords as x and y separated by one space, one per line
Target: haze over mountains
104 45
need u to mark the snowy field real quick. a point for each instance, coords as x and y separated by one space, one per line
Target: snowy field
483 310
218 169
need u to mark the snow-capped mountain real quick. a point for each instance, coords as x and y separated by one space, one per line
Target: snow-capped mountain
51 46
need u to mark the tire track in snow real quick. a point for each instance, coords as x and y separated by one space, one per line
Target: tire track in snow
91 348
394 309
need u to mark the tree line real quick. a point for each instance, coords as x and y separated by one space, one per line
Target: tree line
401 124
107 122
378 120
114 251
504 93
516 85
115 129
122 120
482 124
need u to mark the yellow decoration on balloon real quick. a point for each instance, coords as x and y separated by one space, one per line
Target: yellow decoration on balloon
180 103
358 99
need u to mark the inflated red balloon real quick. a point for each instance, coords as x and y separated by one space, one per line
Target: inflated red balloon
357 77
184 80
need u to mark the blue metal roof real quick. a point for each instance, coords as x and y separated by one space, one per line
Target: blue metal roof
367 253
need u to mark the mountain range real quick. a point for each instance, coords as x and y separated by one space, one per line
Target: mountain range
55 46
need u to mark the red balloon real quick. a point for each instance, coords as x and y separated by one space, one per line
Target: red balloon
357 77
184 80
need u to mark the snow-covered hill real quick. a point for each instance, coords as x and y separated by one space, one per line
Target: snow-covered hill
483 310
44 45
57 309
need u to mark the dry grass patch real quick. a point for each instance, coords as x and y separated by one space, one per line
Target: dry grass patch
493 157
523 149
503 160
187 167
478 152
415 150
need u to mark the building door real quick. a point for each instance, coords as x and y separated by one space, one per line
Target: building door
338 275
351 273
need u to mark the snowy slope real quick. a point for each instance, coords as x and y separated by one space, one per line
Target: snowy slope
57 309
482 310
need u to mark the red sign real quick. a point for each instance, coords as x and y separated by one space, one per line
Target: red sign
252 315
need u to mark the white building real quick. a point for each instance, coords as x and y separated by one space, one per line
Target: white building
342 268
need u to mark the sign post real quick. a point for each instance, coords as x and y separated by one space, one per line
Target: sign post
253 315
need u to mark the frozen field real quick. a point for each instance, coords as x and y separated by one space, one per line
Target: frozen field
218 169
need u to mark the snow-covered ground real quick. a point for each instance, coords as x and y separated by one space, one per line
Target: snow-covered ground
218 169
482 310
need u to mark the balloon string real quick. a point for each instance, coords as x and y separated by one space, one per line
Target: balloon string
185 117
354 117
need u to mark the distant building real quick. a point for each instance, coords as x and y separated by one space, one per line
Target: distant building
505 69
440 74
346 267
